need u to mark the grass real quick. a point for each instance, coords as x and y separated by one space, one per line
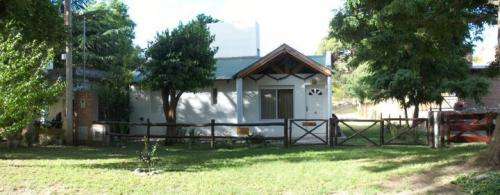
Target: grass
269 170
480 183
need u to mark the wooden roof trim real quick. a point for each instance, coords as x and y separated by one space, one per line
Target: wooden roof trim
280 50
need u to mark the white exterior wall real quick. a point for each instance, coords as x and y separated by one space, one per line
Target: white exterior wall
192 107
198 107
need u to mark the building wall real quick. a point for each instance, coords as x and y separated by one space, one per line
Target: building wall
235 39
86 109
492 100
192 107
198 107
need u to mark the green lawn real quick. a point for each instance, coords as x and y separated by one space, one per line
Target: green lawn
269 170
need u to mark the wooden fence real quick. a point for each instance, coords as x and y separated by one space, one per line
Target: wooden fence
212 124
430 131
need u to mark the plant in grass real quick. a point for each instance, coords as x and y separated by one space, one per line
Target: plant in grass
476 183
148 157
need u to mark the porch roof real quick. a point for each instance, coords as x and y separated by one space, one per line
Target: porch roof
229 68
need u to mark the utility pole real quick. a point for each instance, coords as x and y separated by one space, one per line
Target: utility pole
69 131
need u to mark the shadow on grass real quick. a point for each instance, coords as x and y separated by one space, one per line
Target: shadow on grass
180 159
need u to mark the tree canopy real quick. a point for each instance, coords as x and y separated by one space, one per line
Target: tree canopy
34 19
109 35
181 60
415 50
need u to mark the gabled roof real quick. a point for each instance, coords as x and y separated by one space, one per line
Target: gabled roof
231 67
284 50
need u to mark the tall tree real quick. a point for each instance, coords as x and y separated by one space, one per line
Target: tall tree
493 153
415 50
34 19
108 47
181 60
24 90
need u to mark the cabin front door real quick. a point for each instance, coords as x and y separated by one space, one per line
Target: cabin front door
314 101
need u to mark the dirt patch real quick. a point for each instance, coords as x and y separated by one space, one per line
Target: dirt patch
436 181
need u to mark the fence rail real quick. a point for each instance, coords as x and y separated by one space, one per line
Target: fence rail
210 137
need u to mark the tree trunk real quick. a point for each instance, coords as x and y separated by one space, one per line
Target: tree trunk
406 116
415 115
494 148
170 100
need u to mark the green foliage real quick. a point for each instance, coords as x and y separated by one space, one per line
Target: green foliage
182 59
109 36
179 61
486 183
356 85
24 89
149 155
33 19
108 47
415 50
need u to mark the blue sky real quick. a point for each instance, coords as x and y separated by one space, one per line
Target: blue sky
299 23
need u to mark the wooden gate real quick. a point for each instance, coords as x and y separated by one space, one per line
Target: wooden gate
405 131
358 134
308 131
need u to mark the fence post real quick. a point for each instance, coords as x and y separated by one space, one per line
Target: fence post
335 128
436 130
285 132
428 129
382 127
331 132
148 133
212 133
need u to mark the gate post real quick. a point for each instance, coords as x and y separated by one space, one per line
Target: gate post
331 131
436 130
148 133
382 127
335 120
212 133
285 133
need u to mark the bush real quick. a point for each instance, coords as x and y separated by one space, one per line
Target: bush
50 135
480 183
257 138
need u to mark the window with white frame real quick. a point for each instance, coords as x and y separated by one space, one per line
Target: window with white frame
276 103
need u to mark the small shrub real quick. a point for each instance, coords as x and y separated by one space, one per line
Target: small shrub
257 138
476 183
149 156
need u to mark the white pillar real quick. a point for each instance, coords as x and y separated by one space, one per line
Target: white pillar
436 129
239 100
329 94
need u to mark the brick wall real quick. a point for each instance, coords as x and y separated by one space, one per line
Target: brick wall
86 109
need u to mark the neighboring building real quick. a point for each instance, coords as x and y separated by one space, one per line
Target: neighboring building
236 39
283 84
492 100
